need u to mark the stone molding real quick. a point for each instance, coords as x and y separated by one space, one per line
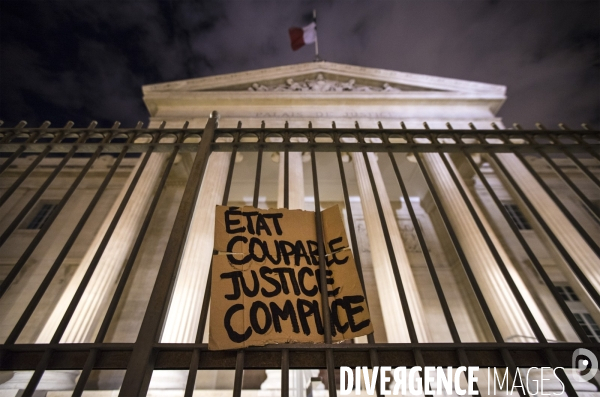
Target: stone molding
321 84
344 71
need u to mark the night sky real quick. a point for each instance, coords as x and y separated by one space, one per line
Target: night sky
87 60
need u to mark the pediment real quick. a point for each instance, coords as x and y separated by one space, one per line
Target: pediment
325 77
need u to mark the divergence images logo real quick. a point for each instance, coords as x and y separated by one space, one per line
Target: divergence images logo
585 360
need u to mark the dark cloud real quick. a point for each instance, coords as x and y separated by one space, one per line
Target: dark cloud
84 60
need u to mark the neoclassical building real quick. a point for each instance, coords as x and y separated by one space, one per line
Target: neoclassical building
468 232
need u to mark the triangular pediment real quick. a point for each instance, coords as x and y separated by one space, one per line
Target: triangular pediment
325 77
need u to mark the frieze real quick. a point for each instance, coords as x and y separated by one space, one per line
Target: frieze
321 84
351 115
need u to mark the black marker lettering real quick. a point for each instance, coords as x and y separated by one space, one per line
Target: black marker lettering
307 309
301 274
264 271
254 317
335 317
286 253
254 241
285 313
300 252
275 218
247 291
334 258
233 222
261 224
233 335
351 311
329 280
313 250
292 274
235 281
231 257
277 259
284 284
249 225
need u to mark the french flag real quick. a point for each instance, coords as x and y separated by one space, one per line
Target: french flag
301 36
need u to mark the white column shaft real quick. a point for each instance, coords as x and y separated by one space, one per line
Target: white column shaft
503 305
87 316
186 304
574 244
296 181
391 307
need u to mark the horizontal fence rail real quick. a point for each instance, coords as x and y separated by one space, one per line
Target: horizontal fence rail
147 353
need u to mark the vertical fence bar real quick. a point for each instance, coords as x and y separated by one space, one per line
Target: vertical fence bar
239 373
322 271
193 370
14 271
101 248
112 307
62 326
21 149
425 250
373 356
459 251
536 263
583 143
588 239
462 356
50 220
239 361
286 168
39 192
467 267
35 163
388 242
501 265
562 174
557 244
570 155
399 284
285 353
12 338
9 135
137 377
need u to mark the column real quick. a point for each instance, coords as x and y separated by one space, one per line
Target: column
186 303
386 285
296 181
184 312
87 316
503 305
90 310
271 386
574 244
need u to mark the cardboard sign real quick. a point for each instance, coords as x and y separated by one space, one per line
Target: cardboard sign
265 279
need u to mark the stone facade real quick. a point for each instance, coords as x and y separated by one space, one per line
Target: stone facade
320 93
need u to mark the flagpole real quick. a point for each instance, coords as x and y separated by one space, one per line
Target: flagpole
317 59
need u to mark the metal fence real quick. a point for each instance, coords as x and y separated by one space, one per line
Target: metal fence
147 354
